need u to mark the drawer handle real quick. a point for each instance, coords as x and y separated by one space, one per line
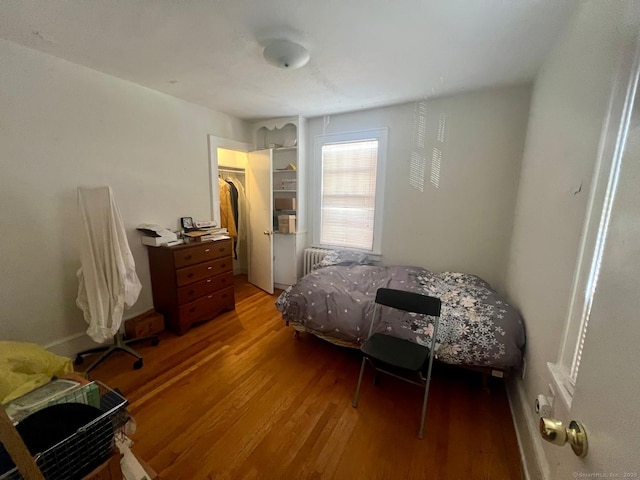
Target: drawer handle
192 309
190 275
191 292
223 265
187 257
206 249
209 268
210 296
223 280
221 249
208 280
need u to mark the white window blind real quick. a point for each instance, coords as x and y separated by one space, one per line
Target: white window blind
348 197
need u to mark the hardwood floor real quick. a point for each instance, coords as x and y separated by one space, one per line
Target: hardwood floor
239 398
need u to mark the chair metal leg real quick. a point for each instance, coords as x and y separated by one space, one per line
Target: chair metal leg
424 402
424 411
428 380
354 403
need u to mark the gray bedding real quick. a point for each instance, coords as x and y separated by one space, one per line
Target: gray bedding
477 327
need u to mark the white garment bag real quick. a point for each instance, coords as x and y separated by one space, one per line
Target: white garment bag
108 283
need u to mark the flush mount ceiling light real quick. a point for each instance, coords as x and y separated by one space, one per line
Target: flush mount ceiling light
285 54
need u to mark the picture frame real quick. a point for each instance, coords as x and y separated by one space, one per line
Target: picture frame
187 223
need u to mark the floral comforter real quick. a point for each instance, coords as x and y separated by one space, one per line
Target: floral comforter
477 327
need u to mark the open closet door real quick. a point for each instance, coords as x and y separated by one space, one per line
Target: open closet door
260 190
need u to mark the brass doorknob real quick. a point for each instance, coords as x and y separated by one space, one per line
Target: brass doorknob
553 431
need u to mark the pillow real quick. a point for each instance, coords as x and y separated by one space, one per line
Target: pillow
344 257
26 366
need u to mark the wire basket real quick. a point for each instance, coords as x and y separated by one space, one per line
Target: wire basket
87 448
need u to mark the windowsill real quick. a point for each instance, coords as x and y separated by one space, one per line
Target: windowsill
373 255
561 384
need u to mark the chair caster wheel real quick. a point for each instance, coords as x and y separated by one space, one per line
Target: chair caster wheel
155 342
79 360
138 364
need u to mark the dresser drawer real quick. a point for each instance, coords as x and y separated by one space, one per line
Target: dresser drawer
185 276
196 290
201 253
207 307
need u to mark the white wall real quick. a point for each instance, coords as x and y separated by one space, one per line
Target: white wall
64 126
568 108
464 224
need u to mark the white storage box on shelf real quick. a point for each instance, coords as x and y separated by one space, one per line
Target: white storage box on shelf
288 184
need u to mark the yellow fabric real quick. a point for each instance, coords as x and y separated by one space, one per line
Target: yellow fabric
26 366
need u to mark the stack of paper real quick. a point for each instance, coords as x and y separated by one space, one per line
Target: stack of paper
210 234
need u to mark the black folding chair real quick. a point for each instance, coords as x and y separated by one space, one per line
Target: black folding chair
398 357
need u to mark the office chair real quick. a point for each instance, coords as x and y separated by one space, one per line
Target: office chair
398 357
119 343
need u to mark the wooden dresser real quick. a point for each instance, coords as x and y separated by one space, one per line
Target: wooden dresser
192 282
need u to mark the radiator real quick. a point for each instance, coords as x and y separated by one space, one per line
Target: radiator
313 256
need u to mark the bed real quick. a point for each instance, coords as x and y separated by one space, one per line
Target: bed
478 329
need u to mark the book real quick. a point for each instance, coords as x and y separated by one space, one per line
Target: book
210 231
214 237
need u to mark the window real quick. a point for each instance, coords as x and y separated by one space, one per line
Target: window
349 189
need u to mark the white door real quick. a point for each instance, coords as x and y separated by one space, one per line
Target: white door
607 393
260 189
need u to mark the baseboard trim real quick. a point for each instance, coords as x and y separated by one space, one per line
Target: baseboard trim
535 467
71 345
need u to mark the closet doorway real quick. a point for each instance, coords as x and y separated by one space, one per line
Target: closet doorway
230 168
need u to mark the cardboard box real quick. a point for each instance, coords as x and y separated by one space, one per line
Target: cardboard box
109 470
284 203
286 223
147 468
145 325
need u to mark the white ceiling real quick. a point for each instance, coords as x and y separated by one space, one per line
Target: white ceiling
364 53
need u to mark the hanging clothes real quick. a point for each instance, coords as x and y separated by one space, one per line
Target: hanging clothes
234 209
226 210
107 279
242 215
